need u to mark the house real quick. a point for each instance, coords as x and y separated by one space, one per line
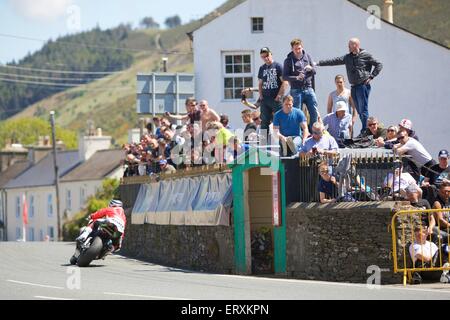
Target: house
413 83
81 173
37 183
86 179
7 175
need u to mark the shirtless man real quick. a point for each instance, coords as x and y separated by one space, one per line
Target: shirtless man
208 114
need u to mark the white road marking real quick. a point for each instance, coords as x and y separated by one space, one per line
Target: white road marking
35 284
51 298
143 296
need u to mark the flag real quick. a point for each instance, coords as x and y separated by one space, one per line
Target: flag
24 210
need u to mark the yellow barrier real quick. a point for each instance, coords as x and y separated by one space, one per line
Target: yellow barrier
413 218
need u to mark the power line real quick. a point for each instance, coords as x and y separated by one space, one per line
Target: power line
63 85
45 78
59 41
59 71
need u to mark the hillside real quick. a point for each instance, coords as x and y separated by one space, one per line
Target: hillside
110 102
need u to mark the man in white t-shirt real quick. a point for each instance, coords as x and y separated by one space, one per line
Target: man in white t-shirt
422 250
400 182
419 155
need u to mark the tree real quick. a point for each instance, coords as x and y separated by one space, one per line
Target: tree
149 23
173 22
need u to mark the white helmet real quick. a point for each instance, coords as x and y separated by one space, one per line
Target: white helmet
115 203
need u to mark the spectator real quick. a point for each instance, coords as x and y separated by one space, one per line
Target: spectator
423 253
224 120
420 158
440 172
235 148
359 64
164 148
207 114
299 72
319 143
290 126
157 125
149 127
219 137
406 125
270 87
341 94
339 123
400 181
413 195
374 129
327 184
391 138
193 113
442 218
250 126
165 167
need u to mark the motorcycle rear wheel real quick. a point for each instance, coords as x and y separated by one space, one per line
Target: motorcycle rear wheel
90 253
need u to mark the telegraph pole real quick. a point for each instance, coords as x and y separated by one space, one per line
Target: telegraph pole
55 163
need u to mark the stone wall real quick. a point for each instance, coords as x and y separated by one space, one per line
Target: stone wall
338 242
201 248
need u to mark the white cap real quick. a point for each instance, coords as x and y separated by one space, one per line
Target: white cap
341 106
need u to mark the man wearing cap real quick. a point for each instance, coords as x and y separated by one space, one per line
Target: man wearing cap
270 88
339 123
359 64
436 175
406 125
165 167
298 71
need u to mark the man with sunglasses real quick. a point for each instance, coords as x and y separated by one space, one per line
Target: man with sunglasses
320 143
373 129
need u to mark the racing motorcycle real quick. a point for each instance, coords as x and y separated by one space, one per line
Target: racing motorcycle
99 242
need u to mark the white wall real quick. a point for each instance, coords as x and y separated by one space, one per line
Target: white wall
90 188
88 145
40 220
414 83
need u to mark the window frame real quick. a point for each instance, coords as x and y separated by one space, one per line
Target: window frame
254 22
32 207
18 207
50 205
242 75
68 199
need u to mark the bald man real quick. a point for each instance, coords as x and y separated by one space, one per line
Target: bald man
361 69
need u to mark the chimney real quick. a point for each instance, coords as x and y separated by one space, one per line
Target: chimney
90 144
388 11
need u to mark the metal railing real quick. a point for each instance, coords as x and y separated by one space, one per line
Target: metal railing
403 225
360 178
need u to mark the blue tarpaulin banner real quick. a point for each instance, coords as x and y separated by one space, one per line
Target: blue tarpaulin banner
202 200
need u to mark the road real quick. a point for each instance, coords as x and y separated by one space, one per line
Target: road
40 271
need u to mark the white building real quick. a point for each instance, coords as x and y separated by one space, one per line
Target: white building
81 174
413 83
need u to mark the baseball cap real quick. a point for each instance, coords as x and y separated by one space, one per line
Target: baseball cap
265 50
443 154
341 106
405 123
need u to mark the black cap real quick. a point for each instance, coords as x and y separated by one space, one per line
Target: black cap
265 50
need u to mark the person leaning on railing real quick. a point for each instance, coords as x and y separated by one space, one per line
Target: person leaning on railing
443 218
319 143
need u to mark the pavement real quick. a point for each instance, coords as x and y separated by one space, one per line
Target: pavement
41 271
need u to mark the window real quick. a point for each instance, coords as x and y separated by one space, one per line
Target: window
50 205
17 207
41 235
31 206
18 233
31 234
82 196
68 199
238 74
51 233
257 25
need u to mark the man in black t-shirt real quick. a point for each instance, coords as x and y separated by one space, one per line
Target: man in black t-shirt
443 218
435 176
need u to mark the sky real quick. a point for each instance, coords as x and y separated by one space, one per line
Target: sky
48 19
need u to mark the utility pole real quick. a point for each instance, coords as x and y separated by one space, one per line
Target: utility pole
55 164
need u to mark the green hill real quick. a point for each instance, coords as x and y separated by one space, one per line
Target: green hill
110 101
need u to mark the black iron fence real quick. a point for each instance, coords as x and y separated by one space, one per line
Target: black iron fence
359 178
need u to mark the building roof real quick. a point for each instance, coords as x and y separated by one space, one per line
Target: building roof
98 167
13 171
350 1
43 173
